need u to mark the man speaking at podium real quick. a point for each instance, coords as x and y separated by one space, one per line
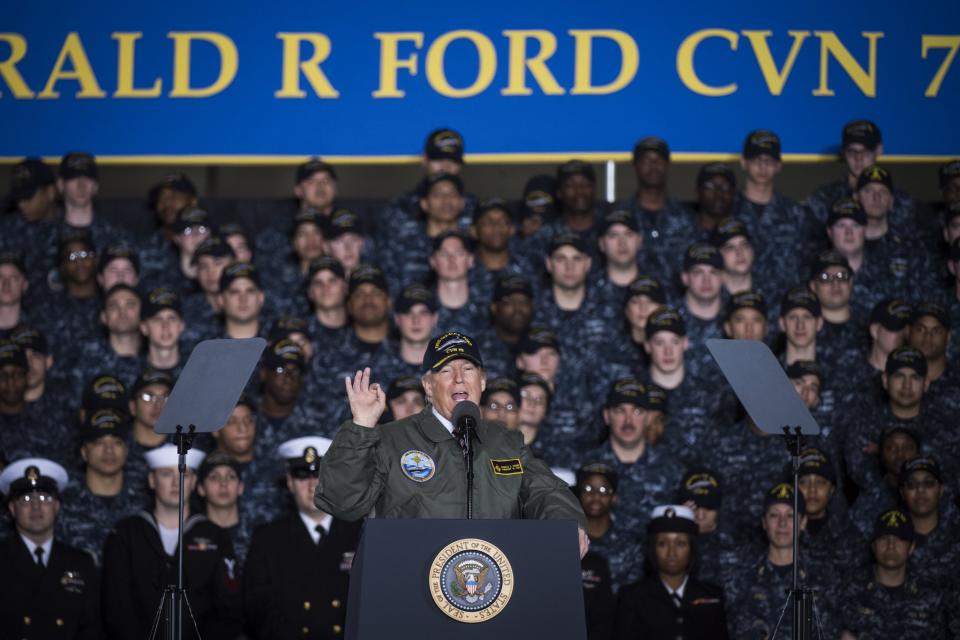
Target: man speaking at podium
416 467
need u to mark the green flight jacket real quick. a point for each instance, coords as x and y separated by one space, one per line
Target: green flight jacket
414 468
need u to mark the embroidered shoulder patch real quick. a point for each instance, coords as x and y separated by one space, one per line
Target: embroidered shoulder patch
508 467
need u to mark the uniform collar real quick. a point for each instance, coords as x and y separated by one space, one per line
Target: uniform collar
428 421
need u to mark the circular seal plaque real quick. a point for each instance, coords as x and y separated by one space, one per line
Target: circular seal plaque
471 580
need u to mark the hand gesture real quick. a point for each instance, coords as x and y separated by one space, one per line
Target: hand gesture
367 401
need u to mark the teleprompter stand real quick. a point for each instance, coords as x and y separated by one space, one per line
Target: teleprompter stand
775 407
205 394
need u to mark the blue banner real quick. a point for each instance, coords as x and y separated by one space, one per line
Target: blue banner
235 82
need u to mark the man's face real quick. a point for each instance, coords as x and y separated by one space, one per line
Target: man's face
41 203
857 157
242 300
171 202
237 436
454 382
79 191
929 337
778 525
800 327
703 282
627 423
951 192
833 288
163 329
666 351
672 552
443 204
241 248
876 200
891 552
545 362
638 309
12 285
905 387
706 518
451 261
407 404
651 170
596 496
165 483
106 455
761 170
494 230
348 249
568 268
368 305
209 269
621 245
282 383
501 406
147 404
886 339
847 236
533 404
318 191
716 197
737 255
575 194
302 490
13 384
513 312
808 388
746 324
38 363
121 313
78 263
118 271
417 324
327 291
921 492
898 448
35 513
816 491
222 487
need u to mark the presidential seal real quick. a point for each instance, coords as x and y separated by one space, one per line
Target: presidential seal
471 580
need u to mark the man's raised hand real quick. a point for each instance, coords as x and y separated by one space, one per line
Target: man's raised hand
367 401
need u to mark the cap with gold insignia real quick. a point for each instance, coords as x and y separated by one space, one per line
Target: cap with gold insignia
673 518
625 391
312 166
12 354
799 368
159 299
218 459
104 422
598 469
450 346
894 522
747 300
444 144
105 390
762 142
28 176
783 494
29 337
414 294
845 208
892 314
32 474
303 455
502 385
728 229
282 353
927 464
573 168
195 219
367 274
875 174
538 338
702 253
77 164
701 486
399 386
538 197
652 144
166 456
665 319
906 358
862 132
815 461
342 222
239 270
934 310
649 286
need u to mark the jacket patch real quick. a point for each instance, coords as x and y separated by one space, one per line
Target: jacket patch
508 467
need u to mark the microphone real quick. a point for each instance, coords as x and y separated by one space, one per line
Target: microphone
466 415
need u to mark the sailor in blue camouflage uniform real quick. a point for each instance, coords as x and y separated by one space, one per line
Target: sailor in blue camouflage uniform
898 445
346 241
644 295
511 313
646 475
33 200
668 227
284 279
935 522
326 291
930 333
716 186
283 412
102 494
732 240
497 248
415 317
842 339
538 204
756 590
23 433
201 308
953 297
315 188
145 402
460 307
703 300
776 224
221 489
619 243
891 599
173 193
621 548
818 396
701 490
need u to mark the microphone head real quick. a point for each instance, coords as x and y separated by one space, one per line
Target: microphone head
466 409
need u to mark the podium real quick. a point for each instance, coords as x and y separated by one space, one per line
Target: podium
490 576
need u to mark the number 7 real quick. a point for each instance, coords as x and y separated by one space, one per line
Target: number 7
939 42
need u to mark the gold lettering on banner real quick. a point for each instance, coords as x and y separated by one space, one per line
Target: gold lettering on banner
126 44
775 78
182 47
8 67
687 71
391 62
72 52
519 63
831 47
293 67
927 42
487 68
583 61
